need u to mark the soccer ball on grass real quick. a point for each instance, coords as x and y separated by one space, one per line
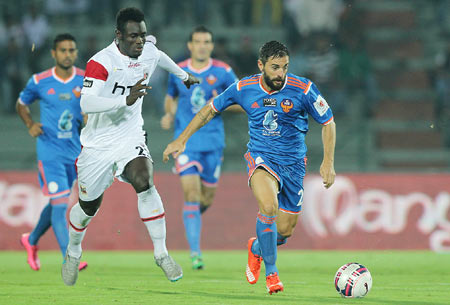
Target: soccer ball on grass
353 280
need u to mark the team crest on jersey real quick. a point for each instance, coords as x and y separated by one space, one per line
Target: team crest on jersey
286 105
77 91
211 79
270 102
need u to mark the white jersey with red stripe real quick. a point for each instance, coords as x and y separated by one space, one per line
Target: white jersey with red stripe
108 79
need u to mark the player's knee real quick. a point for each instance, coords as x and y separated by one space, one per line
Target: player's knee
268 208
141 183
192 195
90 207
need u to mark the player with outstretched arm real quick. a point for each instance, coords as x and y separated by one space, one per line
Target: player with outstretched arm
113 140
277 104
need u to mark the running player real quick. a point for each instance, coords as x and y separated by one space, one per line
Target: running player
58 140
199 165
114 141
277 104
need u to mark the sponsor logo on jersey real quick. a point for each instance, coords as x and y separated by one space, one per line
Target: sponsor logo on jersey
88 83
119 87
270 124
64 96
270 102
134 65
197 99
321 105
286 105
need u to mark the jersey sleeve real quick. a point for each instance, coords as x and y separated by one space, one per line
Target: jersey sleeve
225 99
94 78
317 106
30 93
94 82
172 88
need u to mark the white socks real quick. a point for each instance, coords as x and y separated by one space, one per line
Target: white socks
77 228
152 214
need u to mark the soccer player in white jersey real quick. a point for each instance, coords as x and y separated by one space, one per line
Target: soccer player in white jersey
113 140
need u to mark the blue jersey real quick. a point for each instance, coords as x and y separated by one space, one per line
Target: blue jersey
216 76
61 116
277 120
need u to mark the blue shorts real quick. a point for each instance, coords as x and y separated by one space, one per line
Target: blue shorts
290 179
206 164
56 178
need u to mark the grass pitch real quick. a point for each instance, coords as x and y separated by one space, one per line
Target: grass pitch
400 277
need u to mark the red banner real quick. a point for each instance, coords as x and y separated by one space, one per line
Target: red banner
360 211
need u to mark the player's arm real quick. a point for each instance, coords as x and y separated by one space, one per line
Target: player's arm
329 141
34 128
170 108
170 66
179 144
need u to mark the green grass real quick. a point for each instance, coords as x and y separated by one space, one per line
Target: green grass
413 277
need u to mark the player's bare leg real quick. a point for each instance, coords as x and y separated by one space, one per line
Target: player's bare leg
139 172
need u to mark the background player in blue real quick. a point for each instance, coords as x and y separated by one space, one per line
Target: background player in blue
199 165
277 104
58 140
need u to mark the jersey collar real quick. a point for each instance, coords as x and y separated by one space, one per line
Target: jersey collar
64 81
189 64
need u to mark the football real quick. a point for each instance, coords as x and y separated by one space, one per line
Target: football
353 280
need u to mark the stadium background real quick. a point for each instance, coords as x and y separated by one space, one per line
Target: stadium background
383 66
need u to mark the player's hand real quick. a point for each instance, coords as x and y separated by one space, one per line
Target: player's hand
191 80
328 174
166 121
137 91
35 129
174 148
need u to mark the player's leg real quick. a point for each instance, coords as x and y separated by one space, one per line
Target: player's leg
191 185
139 172
265 188
95 175
30 240
286 223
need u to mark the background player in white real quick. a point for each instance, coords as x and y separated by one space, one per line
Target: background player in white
199 166
113 140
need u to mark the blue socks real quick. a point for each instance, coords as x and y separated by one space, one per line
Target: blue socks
266 231
262 226
42 226
192 225
59 225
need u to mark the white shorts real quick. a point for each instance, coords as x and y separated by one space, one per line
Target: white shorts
97 168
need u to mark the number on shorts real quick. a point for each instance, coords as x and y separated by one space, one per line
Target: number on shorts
300 200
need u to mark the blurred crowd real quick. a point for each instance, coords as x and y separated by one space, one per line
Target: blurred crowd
326 39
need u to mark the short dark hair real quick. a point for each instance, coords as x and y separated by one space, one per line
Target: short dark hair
200 29
128 14
62 37
272 49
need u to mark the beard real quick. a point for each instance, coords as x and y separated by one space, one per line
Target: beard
272 85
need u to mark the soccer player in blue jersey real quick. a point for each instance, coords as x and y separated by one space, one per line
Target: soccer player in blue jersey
199 165
58 140
277 104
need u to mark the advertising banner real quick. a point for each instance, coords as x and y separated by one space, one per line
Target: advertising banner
359 212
